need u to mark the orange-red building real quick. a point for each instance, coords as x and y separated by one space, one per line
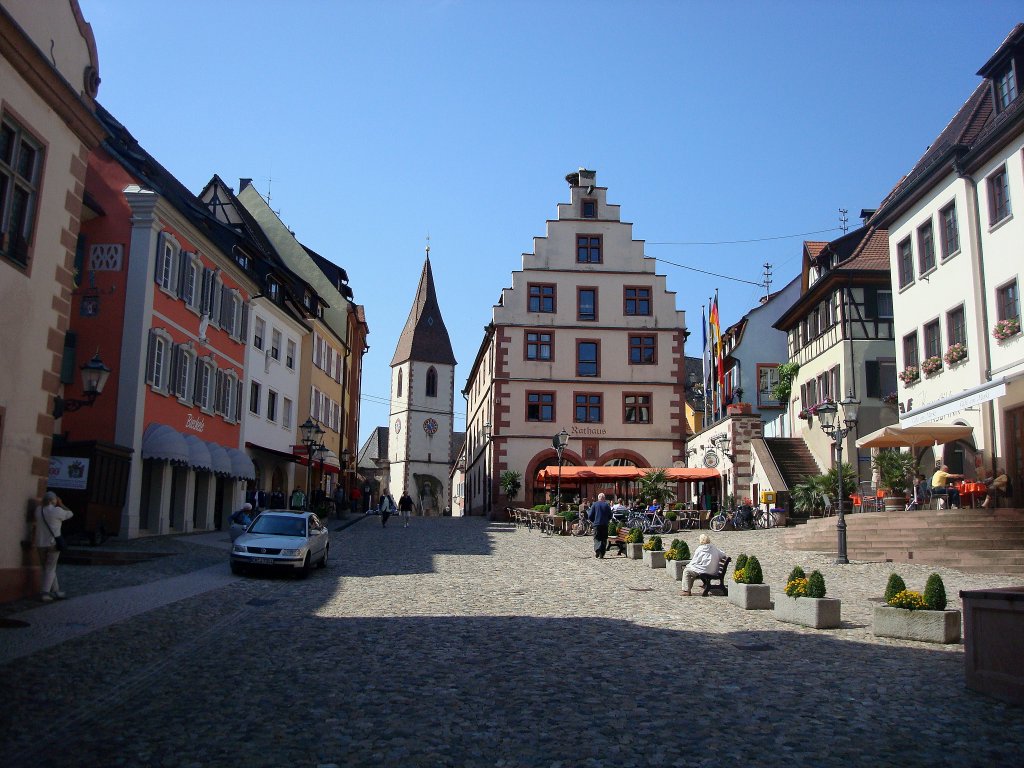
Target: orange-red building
162 296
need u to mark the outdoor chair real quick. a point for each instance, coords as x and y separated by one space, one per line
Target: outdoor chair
828 511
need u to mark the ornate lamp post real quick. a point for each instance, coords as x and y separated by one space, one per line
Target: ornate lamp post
559 442
311 434
827 419
94 378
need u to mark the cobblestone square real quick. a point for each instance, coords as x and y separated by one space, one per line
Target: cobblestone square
458 642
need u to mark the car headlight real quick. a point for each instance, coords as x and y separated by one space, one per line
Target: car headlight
237 548
291 552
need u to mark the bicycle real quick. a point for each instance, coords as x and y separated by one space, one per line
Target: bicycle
765 519
647 521
728 517
582 526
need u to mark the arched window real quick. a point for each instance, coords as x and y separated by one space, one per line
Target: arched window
431 382
399 382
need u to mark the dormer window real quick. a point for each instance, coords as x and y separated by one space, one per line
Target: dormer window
273 289
1006 88
307 299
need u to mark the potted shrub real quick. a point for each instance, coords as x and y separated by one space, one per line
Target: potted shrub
910 615
511 482
931 365
749 591
1004 329
805 602
677 558
895 468
634 544
654 552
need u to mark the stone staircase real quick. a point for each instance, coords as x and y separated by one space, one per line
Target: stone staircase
977 540
793 458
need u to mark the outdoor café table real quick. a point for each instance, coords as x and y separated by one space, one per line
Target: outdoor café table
972 491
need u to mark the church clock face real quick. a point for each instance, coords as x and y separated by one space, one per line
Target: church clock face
398 426
430 426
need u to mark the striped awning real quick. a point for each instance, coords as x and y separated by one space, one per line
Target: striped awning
162 443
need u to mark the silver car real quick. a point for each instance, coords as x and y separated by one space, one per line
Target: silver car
282 539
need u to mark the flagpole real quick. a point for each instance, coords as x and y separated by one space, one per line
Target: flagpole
704 367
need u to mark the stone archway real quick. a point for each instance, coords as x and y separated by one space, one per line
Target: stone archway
621 457
534 491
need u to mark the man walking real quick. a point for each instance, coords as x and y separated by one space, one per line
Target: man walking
405 507
600 515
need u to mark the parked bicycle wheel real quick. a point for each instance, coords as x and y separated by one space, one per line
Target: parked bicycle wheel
718 522
637 521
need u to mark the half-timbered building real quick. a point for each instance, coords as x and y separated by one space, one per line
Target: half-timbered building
840 331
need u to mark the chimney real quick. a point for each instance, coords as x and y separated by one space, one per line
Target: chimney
243 183
867 213
582 178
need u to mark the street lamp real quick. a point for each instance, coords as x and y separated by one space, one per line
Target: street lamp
559 442
827 418
94 378
311 434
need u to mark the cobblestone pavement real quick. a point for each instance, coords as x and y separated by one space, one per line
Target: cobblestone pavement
462 643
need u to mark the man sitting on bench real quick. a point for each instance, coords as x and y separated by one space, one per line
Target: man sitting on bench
706 558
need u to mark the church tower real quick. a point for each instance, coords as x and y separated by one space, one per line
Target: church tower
422 403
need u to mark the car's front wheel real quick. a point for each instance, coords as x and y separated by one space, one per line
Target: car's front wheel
307 566
323 560
236 569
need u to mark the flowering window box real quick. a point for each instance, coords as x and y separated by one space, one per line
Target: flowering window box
1004 329
956 353
910 375
925 626
931 365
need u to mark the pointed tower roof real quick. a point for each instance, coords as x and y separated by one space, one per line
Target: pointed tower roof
425 337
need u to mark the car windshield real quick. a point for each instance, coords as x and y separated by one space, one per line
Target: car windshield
276 525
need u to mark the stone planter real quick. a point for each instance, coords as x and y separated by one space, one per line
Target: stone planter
751 597
671 526
675 568
926 626
814 612
634 551
654 559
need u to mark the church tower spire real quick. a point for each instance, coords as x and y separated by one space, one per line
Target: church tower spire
422 403
425 337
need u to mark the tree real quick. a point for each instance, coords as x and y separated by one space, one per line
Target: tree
656 485
511 482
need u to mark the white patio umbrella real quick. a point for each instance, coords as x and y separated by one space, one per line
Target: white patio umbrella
929 433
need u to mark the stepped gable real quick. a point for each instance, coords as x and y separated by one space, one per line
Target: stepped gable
425 337
793 458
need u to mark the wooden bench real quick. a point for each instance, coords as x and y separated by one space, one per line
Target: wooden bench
707 579
617 537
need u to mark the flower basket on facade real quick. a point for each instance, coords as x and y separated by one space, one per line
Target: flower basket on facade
1004 329
955 354
890 399
931 365
910 375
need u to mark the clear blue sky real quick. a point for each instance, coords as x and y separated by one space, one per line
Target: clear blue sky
382 121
